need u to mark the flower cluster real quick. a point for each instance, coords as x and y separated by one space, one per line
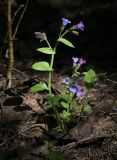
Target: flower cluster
77 60
65 22
77 90
79 26
73 87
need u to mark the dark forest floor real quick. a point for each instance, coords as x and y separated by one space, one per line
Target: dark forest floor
25 123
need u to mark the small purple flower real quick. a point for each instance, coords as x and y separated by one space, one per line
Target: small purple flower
79 93
82 61
65 21
75 59
80 26
73 89
67 80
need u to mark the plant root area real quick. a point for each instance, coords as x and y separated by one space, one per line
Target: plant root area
25 123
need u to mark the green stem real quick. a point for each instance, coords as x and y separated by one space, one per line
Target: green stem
50 75
64 33
50 72
51 63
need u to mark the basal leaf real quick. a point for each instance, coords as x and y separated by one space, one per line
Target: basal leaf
66 42
88 109
92 73
41 66
87 78
39 87
90 76
46 50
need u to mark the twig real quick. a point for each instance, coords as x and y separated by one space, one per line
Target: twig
5 39
108 79
20 18
10 49
88 140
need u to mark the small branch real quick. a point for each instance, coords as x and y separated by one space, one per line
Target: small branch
5 39
10 48
20 18
67 148
11 36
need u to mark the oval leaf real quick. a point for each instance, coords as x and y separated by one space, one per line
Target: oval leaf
41 66
46 50
39 87
90 76
66 42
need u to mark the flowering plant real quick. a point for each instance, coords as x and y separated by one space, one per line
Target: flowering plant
73 95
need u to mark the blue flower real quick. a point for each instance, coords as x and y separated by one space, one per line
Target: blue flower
73 89
80 26
67 80
75 59
65 21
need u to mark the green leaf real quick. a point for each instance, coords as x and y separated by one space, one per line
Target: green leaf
68 97
39 87
66 42
46 50
75 33
53 101
87 78
90 76
64 104
41 66
92 73
65 115
88 109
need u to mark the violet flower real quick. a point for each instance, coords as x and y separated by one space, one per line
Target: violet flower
73 89
79 93
80 26
82 61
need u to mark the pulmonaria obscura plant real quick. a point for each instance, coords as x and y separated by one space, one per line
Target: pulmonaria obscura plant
74 96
